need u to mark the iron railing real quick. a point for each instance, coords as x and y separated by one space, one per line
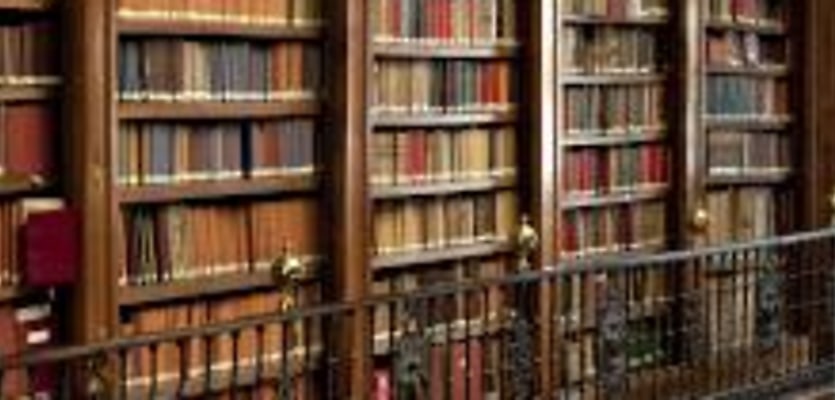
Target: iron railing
749 320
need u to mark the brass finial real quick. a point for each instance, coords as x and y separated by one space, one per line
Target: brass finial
287 271
700 221
527 240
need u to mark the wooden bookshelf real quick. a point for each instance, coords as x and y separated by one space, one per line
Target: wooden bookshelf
255 187
28 93
391 120
407 260
156 28
443 188
607 200
216 110
27 5
445 50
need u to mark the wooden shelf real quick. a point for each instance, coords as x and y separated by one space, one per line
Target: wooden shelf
444 50
443 188
610 255
443 120
410 259
210 190
575 19
134 296
763 29
750 179
12 93
606 200
10 293
27 5
764 71
753 123
581 140
216 110
612 79
141 27
23 189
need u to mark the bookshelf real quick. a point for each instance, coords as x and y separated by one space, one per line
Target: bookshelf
588 116
750 127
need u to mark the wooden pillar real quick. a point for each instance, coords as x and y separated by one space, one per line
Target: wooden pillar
346 185
539 151
88 111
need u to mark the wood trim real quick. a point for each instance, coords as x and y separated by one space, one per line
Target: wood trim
443 188
408 260
384 120
10 94
346 186
139 27
28 5
215 110
212 190
88 114
442 50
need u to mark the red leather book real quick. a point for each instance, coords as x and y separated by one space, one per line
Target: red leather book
50 249
467 371
382 385
30 132
14 383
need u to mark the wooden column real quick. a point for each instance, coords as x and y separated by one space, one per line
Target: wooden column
539 152
818 112
346 184
87 110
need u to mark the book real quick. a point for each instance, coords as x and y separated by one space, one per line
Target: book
745 49
617 111
29 51
229 70
749 12
742 214
612 50
426 156
295 13
616 9
599 171
182 242
169 153
444 22
443 86
418 224
29 141
593 231
14 217
730 96
748 153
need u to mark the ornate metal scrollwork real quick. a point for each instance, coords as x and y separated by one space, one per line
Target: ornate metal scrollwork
410 362
520 334
287 271
519 355
768 305
611 342
96 384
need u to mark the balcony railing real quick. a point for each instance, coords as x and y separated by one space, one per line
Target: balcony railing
753 319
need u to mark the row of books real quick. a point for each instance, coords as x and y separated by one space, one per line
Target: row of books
438 21
733 153
257 12
167 152
611 110
13 218
423 156
185 242
736 49
755 12
599 231
742 214
217 70
611 50
449 86
418 224
595 171
28 52
28 326
274 343
742 96
616 9
28 141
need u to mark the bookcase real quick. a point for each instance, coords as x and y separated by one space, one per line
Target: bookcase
395 144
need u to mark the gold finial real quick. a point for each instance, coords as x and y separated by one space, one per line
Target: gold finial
527 240
287 271
700 221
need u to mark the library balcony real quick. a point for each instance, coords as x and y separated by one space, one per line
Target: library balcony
751 320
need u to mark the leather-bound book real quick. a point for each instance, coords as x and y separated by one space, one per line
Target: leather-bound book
50 248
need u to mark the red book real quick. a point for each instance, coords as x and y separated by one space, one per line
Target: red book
29 132
14 382
382 385
50 249
467 370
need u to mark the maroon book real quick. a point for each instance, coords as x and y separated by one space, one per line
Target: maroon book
30 131
382 385
50 249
